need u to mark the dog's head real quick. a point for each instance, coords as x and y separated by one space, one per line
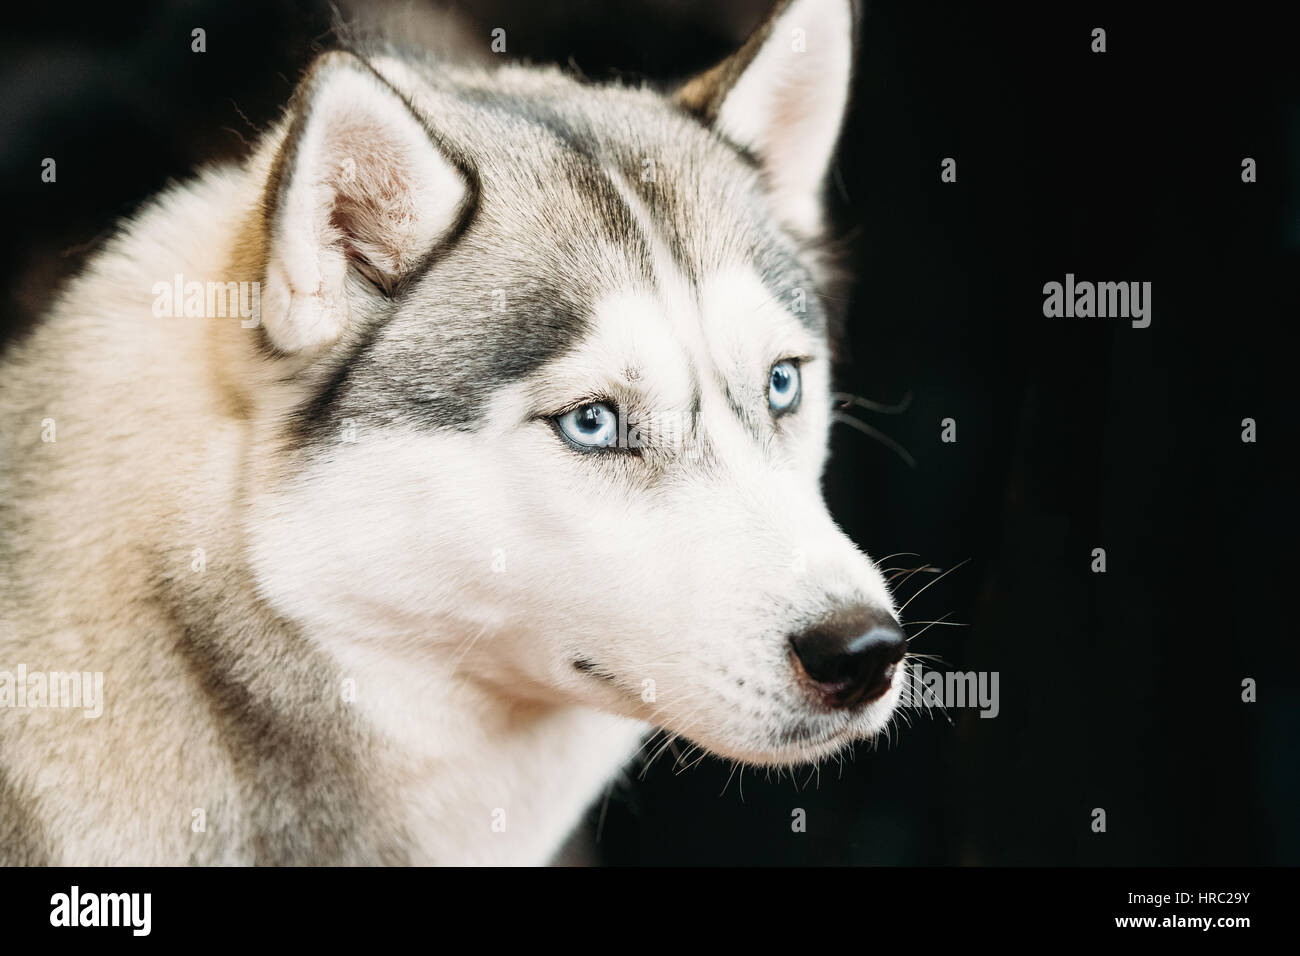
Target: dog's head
570 389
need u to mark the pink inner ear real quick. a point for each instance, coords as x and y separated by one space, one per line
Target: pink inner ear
372 199
368 189
790 115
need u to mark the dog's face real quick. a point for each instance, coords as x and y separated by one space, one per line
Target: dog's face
571 392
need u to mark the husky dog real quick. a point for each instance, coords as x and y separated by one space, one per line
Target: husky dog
510 452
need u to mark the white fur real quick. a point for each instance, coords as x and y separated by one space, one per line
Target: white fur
693 584
453 577
789 103
361 150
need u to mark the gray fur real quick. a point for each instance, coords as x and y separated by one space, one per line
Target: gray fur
178 437
552 233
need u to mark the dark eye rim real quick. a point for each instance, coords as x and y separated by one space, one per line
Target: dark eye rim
798 363
553 419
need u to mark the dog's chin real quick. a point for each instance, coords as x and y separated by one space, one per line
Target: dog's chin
782 755
811 741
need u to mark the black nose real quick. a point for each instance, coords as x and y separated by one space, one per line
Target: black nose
853 661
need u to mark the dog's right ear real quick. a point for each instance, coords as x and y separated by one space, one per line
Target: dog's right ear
358 197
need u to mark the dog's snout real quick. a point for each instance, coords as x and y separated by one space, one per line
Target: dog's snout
853 661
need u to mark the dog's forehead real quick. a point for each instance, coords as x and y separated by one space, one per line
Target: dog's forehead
605 221
557 160
642 214
726 325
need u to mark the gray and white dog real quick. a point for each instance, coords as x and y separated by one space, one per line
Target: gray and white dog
388 487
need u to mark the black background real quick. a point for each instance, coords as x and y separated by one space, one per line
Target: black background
1119 690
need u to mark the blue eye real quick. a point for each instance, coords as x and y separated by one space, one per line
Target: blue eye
783 386
591 426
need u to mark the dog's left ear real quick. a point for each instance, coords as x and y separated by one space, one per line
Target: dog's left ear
783 96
